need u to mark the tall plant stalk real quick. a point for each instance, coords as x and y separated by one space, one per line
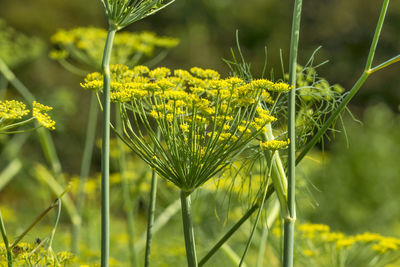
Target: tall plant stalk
288 243
105 151
85 169
188 229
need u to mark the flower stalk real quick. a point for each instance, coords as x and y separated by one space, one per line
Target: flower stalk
105 151
288 244
188 229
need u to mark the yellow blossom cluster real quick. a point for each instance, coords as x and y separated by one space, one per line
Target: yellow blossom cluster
39 111
12 110
200 116
318 240
274 144
87 44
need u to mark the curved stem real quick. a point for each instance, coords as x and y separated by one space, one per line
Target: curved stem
188 229
85 169
105 152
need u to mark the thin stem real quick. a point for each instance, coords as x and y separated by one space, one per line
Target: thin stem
46 141
85 169
105 152
289 222
5 239
188 229
233 230
126 196
378 30
150 217
355 87
384 64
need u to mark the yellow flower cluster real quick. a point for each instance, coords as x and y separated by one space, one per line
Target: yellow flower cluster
319 233
12 110
199 114
24 254
39 111
274 144
86 44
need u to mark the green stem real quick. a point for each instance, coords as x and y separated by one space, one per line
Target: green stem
85 169
5 239
233 230
126 196
105 152
289 221
356 86
9 172
46 141
188 229
151 213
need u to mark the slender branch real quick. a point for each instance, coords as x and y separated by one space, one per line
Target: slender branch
188 229
105 152
356 86
289 222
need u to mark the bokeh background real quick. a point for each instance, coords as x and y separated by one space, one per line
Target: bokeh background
353 186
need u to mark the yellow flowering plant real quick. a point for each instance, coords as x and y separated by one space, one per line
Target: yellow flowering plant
203 121
12 115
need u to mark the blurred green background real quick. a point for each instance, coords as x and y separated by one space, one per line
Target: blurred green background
356 188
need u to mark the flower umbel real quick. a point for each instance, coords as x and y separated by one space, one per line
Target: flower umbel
204 120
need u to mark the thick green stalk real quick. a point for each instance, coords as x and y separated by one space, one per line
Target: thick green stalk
105 152
188 229
3 87
5 239
126 196
46 141
85 169
150 217
367 71
289 222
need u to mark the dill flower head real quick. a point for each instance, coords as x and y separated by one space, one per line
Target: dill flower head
86 45
204 121
17 48
39 112
12 110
